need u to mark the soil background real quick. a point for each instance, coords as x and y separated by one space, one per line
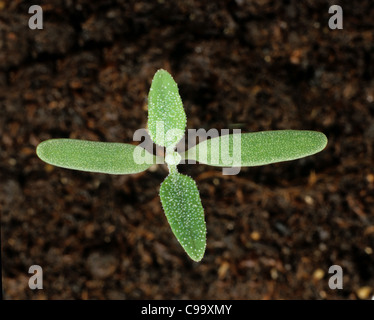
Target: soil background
272 232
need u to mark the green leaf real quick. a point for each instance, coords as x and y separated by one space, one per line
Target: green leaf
182 205
104 157
258 148
166 116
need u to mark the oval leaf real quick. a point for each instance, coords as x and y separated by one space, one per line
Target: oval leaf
166 116
93 156
258 148
182 205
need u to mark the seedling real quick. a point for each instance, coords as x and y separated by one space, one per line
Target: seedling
178 193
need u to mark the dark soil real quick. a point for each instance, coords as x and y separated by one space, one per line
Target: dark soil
273 231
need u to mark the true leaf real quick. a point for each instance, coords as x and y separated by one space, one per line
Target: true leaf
258 148
93 156
182 205
166 116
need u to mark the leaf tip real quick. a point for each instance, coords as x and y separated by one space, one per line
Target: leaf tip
40 150
324 140
319 140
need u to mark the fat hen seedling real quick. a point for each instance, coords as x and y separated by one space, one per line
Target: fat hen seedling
179 195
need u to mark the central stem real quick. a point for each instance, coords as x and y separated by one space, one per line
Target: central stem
172 158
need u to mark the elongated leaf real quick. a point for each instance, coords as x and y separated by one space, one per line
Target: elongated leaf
104 157
182 205
258 148
166 116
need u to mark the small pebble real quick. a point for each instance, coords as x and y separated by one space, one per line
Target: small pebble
318 274
364 292
255 236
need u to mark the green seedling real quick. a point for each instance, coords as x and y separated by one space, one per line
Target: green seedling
178 193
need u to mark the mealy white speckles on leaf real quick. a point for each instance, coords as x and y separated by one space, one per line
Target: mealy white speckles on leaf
104 157
182 205
258 148
166 116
